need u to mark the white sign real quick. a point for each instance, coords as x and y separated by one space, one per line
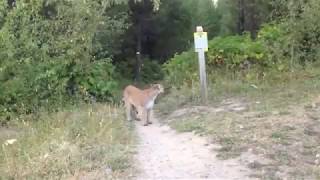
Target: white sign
201 41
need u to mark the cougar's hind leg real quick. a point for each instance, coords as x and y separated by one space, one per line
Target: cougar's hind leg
134 113
140 113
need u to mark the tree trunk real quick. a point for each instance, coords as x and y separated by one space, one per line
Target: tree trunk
252 23
241 18
137 78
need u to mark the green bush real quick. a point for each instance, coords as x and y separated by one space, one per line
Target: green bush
182 68
270 33
235 53
232 51
47 56
47 85
100 81
277 46
303 30
151 71
224 52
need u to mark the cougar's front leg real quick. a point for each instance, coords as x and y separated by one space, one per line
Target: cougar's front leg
148 116
145 117
128 111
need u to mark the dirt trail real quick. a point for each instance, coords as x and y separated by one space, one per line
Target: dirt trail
165 154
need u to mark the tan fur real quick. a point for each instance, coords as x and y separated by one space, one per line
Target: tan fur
141 100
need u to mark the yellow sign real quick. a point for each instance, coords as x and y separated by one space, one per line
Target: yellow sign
201 41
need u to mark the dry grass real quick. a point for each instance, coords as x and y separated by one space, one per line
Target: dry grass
278 122
88 142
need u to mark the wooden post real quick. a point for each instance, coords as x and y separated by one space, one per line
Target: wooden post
201 46
203 76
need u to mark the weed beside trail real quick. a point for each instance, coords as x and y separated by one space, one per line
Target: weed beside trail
91 142
274 125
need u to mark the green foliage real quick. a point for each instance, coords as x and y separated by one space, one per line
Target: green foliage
99 81
109 35
151 71
209 17
271 49
181 68
47 55
228 21
232 51
237 17
303 28
52 52
298 21
3 11
276 45
270 33
173 22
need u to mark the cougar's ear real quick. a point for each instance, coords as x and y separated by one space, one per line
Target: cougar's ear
155 85
160 87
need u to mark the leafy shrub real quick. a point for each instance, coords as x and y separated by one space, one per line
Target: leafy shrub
270 33
271 49
303 30
232 51
228 52
182 68
47 85
151 71
276 44
100 81
47 56
26 88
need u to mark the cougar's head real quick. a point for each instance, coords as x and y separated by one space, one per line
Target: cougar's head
158 87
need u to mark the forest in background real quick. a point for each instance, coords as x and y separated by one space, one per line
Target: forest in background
58 51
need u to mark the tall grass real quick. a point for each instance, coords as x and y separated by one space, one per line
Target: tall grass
91 142
299 84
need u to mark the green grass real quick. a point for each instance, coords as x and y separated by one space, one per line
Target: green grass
188 125
280 121
92 142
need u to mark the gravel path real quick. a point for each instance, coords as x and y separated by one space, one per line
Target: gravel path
165 154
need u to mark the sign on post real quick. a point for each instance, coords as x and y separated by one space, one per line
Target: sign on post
201 41
201 46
